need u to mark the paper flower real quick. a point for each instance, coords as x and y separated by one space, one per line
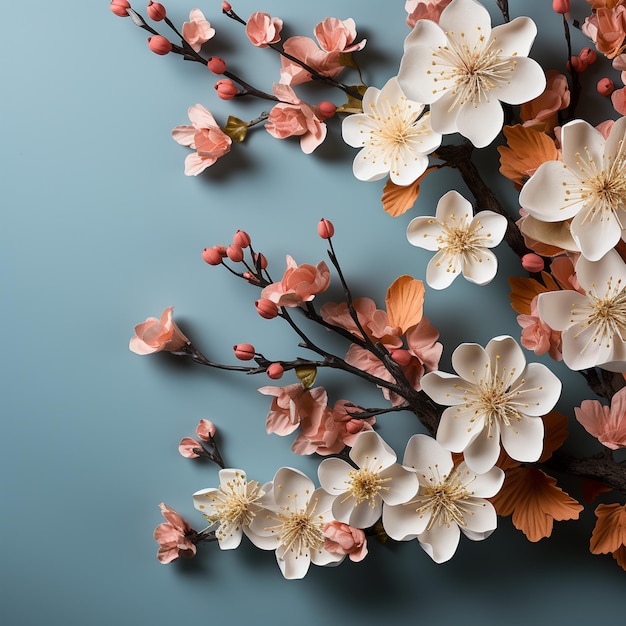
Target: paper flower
197 30
463 69
233 505
607 424
344 539
589 185
294 525
173 536
593 323
394 136
496 395
450 501
156 335
263 29
461 241
358 494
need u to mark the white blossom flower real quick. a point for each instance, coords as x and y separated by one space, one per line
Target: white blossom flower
358 494
294 524
463 68
233 505
394 136
461 241
593 323
495 395
450 501
588 185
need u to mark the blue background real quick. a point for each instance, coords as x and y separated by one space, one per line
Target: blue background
101 229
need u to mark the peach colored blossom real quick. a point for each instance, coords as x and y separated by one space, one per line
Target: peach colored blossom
284 415
618 98
344 539
173 536
205 137
155 335
197 30
263 29
307 50
335 35
300 283
349 427
607 424
607 29
422 341
424 10
541 112
188 446
205 430
292 117
538 336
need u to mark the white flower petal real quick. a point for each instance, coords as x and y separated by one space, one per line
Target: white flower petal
324 558
401 485
368 166
422 451
480 267
468 20
457 428
264 540
422 232
480 517
483 451
491 227
440 542
370 451
442 269
355 128
484 485
555 307
527 82
595 232
334 476
443 388
291 485
443 113
515 38
582 350
481 122
471 362
594 276
506 358
402 523
294 566
539 391
523 439
579 136
614 144
454 208
407 167
230 536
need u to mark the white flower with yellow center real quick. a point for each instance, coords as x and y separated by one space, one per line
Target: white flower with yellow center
593 323
394 136
463 68
461 241
232 506
496 396
359 493
588 185
294 524
450 501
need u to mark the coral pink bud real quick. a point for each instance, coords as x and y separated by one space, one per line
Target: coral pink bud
235 253
119 7
226 89
206 430
326 109
587 56
354 426
325 228
561 6
216 65
260 260
156 11
605 87
401 357
275 371
221 250
576 64
159 44
226 7
188 446
266 308
241 238
211 256
532 262
251 278
244 351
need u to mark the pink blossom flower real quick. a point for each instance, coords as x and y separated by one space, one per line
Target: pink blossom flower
418 10
541 112
538 336
284 415
197 31
300 283
349 427
292 117
156 335
205 430
173 536
335 35
205 137
263 29
345 539
608 425
188 446
607 29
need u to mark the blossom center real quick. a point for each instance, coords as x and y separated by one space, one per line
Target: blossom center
365 485
301 532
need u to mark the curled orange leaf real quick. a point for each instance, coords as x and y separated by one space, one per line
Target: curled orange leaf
405 302
620 557
523 290
398 199
609 533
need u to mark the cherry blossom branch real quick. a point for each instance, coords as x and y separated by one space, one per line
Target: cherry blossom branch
601 467
575 90
503 5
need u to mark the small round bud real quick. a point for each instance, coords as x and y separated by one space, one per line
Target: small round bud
605 87
260 260
211 256
326 109
576 64
189 448
588 56
159 44
266 308
221 250
561 6
226 7
226 89
242 239
119 7
325 228
401 357
235 253
251 278
275 371
354 426
244 351
216 65
156 11
206 430
532 263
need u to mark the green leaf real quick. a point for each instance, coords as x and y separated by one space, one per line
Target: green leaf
354 105
235 128
307 375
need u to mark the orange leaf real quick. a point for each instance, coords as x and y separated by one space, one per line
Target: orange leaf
523 290
398 199
555 425
609 534
620 557
534 501
405 302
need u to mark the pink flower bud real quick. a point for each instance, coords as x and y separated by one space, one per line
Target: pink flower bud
576 64
242 239
187 446
275 371
401 357
226 89
251 278
561 6
211 256
156 11
235 253
266 308
326 109
325 228
588 56
532 262
159 44
354 426
226 7
119 7
216 65
261 260
221 250
244 351
206 430
605 87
